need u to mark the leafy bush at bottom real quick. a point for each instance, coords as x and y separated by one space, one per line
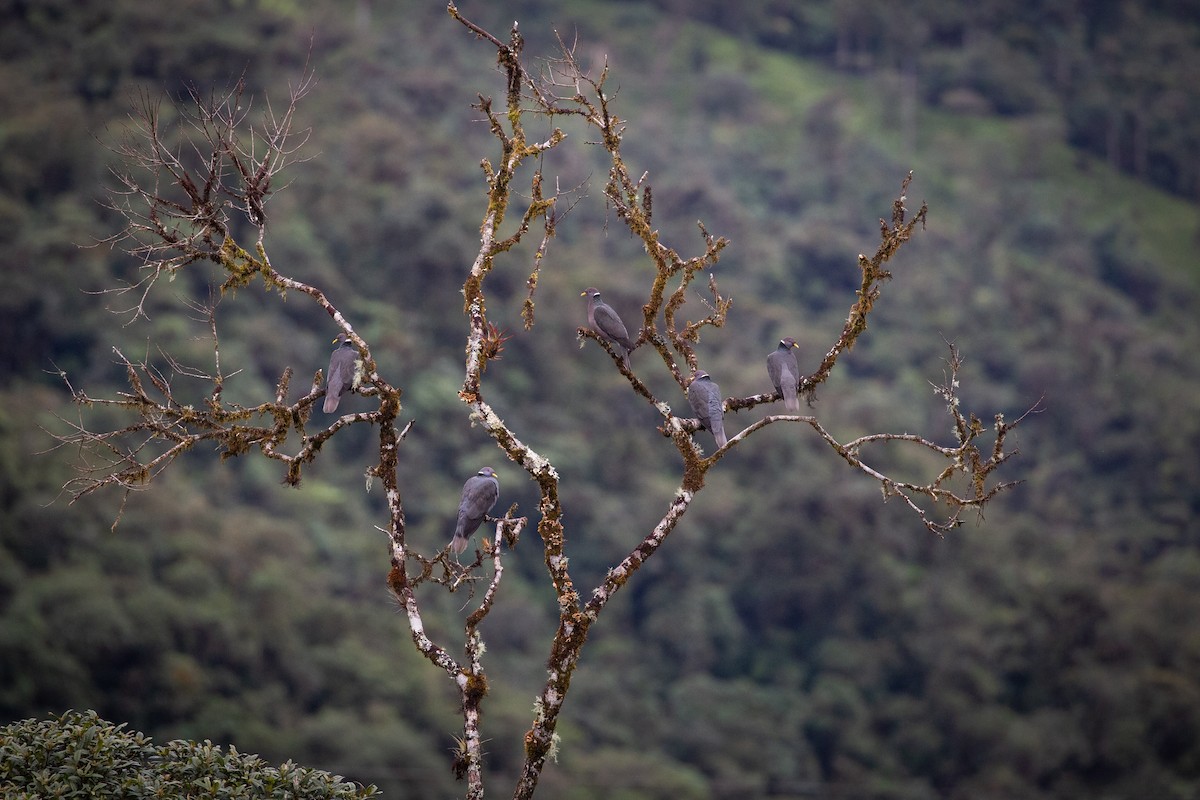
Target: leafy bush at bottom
81 755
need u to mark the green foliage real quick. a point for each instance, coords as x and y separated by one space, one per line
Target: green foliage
795 634
81 755
1113 72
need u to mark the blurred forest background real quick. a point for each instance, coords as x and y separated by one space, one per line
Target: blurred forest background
797 637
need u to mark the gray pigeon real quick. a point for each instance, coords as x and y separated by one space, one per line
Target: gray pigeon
340 375
705 399
479 494
604 321
785 374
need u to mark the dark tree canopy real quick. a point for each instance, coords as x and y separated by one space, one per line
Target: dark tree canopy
1022 654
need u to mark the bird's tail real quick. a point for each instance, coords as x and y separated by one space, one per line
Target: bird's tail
331 402
458 543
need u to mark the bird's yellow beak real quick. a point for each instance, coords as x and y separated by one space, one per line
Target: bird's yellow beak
583 294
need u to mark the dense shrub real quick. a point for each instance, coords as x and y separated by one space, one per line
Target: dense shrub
81 755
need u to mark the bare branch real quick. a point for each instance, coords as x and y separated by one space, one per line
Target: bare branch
188 187
183 187
892 236
565 88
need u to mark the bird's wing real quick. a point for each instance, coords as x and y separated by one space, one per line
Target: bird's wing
785 374
340 378
478 497
610 324
711 410
703 400
713 401
718 427
787 381
695 401
775 369
341 370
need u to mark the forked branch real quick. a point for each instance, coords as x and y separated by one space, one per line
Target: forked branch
565 89
188 189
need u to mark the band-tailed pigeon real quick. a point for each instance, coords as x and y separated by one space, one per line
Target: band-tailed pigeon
705 398
340 376
785 374
604 321
479 494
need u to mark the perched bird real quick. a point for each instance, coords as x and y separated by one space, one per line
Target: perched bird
479 494
781 366
340 376
705 398
604 321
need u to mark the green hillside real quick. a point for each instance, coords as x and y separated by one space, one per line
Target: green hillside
796 637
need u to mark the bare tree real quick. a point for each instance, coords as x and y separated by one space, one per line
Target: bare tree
205 198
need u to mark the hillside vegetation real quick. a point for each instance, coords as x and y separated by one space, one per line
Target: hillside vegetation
797 637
